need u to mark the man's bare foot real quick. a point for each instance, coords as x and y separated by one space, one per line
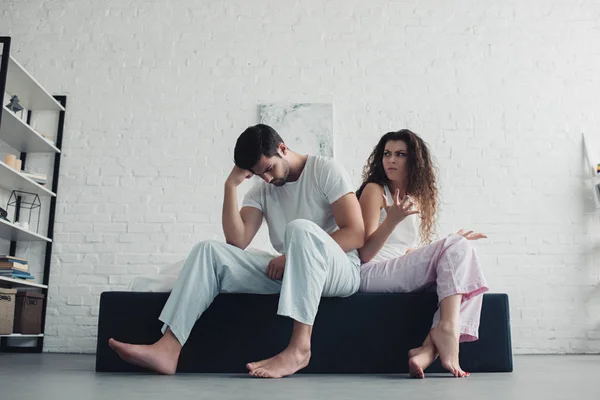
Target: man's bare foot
156 357
445 338
283 364
419 359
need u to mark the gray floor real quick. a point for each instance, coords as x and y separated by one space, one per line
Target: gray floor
62 376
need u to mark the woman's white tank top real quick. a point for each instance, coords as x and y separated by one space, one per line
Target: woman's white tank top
403 237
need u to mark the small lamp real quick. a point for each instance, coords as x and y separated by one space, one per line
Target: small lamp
14 105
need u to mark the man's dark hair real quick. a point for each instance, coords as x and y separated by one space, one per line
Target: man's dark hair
256 141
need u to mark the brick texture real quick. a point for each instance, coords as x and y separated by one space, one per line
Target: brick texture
159 91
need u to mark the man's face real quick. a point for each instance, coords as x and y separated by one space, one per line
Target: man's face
273 170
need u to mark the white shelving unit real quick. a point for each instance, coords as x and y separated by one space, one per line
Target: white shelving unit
12 232
593 161
11 179
21 283
31 94
20 136
16 132
23 335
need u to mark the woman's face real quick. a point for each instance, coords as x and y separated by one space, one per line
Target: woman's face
395 161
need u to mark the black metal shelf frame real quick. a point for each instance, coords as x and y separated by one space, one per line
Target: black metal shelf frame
6 41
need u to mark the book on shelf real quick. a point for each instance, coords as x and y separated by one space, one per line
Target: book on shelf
11 262
38 178
5 258
13 265
15 274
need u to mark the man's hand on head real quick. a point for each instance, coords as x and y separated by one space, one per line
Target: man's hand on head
237 176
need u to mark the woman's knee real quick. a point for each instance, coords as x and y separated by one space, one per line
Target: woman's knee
458 247
457 240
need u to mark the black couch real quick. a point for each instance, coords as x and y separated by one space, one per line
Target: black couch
365 333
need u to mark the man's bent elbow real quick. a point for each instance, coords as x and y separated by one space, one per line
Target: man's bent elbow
359 235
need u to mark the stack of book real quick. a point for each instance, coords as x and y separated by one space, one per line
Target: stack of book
14 267
37 178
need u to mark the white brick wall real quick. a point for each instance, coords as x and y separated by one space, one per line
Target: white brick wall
159 91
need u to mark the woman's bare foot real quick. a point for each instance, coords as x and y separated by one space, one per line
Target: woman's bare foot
283 364
419 359
156 357
445 338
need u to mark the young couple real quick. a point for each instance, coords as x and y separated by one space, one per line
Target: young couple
332 244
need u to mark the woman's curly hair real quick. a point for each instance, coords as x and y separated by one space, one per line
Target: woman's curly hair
422 182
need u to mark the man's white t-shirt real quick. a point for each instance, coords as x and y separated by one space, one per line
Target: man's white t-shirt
321 183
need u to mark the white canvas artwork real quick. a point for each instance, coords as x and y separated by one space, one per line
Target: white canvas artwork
307 128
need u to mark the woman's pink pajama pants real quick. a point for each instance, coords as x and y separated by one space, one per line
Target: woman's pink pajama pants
450 264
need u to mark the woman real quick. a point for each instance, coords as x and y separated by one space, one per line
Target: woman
399 201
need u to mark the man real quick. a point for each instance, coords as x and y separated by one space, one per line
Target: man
314 221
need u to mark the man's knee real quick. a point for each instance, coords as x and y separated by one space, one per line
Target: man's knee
207 245
299 225
298 230
209 249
